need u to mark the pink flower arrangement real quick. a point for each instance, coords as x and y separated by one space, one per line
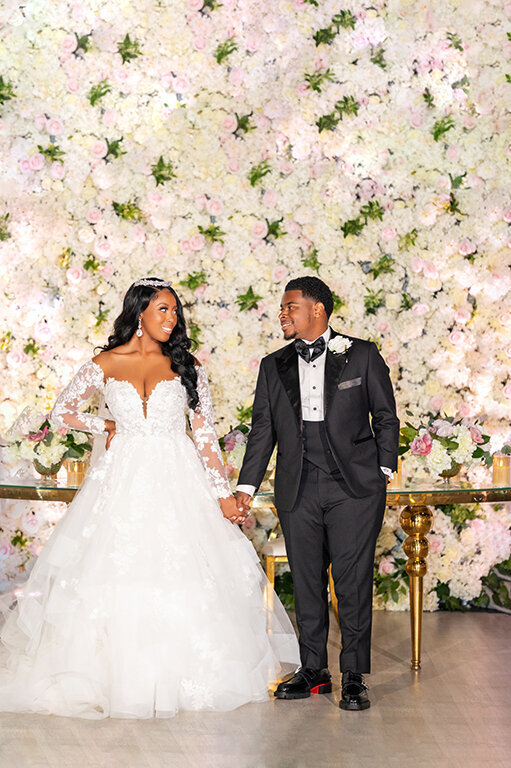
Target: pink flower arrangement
36 437
421 446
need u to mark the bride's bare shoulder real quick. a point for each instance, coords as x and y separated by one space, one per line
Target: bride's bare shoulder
109 358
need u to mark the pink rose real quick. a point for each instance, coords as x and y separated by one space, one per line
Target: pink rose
99 149
236 76
416 119
420 309
507 390
37 162
436 402
462 316
139 234
217 251
57 170
199 42
158 252
75 275
200 290
110 117
253 42
387 565
430 270
506 215
417 265
94 215
382 326
40 122
214 207
15 358
195 5
442 428
435 544
270 197
253 364
457 338
388 233
42 332
203 356
229 124
465 409
466 247
197 242
505 318
73 84
54 127
302 87
279 273
181 84
508 351
25 166
260 229
506 50
62 431
453 152
223 313
102 248
393 358
36 437
200 202
476 434
186 246
69 43
233 165
421 446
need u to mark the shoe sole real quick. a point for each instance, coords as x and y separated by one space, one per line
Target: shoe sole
318 689
354 707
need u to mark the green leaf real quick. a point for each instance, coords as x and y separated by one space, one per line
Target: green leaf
162 171
244 123
373 300
311 261
274 229
114 148
52 152
129 211
223 50
98 91
194 280
258 172
407 240
384 265
457 181
352 226
4 232
338 302
372 210
212 233
244 414
406 302
6 91
347 106
428 98
129 49
101 314
83 42
328 122
455 41
91 264
378 57
318 78
31 347
442 126
248 300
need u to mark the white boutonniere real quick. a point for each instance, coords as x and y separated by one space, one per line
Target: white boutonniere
339 344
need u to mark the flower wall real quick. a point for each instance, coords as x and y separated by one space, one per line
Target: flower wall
230 146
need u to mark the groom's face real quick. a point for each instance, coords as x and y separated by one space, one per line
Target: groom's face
298 315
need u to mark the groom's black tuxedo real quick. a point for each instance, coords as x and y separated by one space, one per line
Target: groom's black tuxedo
329 488
357 384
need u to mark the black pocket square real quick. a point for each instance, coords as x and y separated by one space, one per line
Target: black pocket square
350 383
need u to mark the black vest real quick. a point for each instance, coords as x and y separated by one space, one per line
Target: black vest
316 450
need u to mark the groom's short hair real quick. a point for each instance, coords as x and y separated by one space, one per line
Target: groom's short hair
314 289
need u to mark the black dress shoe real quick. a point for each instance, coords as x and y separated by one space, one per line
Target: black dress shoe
304 682
354 692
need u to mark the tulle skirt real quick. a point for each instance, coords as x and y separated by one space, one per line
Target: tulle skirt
145 600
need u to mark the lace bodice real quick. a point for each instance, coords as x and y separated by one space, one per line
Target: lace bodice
166 409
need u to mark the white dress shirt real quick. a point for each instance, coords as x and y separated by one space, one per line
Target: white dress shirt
312 387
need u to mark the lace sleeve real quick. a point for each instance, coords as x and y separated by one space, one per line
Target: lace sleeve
66 413
204 437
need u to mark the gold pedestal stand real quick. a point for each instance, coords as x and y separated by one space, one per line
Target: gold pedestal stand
416 522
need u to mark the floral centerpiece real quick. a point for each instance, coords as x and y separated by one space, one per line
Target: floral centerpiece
33 440
446 444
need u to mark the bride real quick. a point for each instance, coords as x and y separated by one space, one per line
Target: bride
146 599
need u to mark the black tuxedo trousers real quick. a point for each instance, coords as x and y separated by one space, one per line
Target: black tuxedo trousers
327 525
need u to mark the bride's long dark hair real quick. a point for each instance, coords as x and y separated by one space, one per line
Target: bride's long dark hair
177 348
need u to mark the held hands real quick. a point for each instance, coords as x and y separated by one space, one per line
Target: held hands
110 429
233 510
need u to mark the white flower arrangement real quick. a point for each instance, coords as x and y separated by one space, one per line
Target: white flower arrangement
339 344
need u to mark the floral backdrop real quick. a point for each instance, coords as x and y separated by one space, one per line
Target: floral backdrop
230 145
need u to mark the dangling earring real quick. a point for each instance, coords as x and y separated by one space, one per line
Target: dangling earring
139 329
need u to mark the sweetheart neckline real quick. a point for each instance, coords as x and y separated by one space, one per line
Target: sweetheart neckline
142 401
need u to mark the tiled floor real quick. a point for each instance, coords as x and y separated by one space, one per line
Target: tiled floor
455 713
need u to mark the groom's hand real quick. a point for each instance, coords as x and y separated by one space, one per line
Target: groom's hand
232 510
243 500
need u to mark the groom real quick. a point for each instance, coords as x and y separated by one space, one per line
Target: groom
327 401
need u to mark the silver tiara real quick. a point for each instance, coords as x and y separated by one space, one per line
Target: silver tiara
154 283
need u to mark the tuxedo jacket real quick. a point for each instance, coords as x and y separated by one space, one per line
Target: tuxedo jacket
360 419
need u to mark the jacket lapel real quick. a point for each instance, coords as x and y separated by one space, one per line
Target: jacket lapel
334 368
287 367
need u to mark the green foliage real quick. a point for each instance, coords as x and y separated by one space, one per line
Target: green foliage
406 301
318 78
407 240
390 586
101 314
310 259
274 229
457 181
372 210
212 233
211 5
162 171
83 42
244 414
378 57
248 300
328 122
98 91
462 84
508 78
258 172
285 591
460 513
455 41
6 91
446 601
244 123
91 263
373 300
19 539
384 265
428 98
442 126
453 206
193 280
52 152
114 148
223 50
4 231
129 211
194 332
31 347
75 450
347 106
129 49
352 226
338 302
326 35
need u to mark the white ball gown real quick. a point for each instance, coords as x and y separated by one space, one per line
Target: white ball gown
145 600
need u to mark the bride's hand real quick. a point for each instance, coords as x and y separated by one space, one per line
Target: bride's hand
110 429
231 511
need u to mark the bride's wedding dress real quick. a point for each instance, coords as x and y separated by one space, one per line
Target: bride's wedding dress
145 600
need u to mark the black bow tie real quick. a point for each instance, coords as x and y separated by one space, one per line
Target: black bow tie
314 350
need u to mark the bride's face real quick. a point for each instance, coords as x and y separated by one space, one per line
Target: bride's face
160 316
